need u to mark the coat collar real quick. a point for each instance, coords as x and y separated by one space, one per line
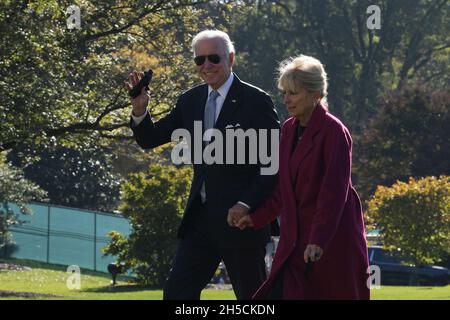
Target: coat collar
306 143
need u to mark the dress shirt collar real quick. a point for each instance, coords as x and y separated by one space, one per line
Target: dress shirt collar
223 90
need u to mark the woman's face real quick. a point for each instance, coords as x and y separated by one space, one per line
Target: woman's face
299 104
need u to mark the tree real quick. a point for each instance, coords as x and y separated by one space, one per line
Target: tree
77 178
153 201
413 44
409 137
68 84
414 217
14 189
62 89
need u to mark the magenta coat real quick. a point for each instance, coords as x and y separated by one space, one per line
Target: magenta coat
317 204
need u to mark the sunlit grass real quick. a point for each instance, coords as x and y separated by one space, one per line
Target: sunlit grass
51 279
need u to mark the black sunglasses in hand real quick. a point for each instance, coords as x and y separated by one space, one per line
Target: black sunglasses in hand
213 58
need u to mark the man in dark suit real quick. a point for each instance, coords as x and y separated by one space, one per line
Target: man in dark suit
205 236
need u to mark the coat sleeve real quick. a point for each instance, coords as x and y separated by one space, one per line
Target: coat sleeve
334 187
149 134
269 211
265 117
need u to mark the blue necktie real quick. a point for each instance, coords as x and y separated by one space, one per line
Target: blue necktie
209 120
210 112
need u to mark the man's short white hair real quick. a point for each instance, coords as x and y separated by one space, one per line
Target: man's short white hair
214 34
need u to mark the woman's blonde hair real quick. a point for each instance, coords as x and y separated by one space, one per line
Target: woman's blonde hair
303 71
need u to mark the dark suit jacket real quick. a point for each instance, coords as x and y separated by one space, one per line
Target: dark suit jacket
225 184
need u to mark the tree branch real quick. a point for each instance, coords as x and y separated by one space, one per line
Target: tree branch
128 25
78 127
117 137
416 39
349 30
156 8
425 59
360 28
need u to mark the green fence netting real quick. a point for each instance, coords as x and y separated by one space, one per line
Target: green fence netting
64 236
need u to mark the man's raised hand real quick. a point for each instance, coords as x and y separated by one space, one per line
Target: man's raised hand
139 103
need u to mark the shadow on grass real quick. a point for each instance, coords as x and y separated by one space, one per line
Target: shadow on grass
121 289
58 267
26 295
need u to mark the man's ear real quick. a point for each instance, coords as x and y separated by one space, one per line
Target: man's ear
231 59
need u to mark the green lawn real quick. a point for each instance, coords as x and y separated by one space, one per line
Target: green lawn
411 293
51 279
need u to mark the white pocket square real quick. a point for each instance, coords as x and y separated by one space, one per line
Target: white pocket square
230 126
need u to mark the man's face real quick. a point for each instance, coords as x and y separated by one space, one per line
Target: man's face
214 75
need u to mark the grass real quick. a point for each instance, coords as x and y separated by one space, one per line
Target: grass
51 279
411 293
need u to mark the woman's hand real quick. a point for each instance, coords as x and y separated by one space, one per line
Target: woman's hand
245 222
235 213
312 253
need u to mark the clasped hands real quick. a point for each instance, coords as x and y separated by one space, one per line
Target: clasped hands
238 217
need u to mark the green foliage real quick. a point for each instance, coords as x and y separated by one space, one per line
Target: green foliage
14 188
413 44
68 84
409 137
153 201
414 217
75 178
64 89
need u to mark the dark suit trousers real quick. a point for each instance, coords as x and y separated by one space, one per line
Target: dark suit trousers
198 257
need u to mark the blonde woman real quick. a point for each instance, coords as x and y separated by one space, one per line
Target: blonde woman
322 253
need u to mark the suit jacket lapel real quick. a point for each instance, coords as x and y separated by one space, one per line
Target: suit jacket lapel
199 109
230 104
